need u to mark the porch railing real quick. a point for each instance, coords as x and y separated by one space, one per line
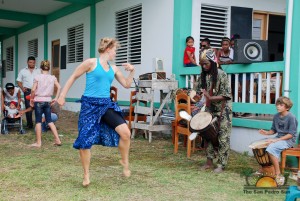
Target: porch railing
255 89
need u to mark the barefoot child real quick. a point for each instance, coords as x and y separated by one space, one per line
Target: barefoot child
41 93
285 125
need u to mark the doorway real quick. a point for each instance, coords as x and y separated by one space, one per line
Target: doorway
55 70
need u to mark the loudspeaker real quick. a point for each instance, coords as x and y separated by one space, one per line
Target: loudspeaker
250 51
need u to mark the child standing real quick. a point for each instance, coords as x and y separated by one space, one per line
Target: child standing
41 92
285 125
189 59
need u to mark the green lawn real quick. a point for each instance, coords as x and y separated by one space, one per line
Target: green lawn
55 173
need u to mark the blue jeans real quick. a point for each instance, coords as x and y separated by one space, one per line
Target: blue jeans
39 109
45 126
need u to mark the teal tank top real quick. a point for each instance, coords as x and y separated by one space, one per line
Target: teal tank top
98 82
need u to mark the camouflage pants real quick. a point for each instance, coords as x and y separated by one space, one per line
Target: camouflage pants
224 142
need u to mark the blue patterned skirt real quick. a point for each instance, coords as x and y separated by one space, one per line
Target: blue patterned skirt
90 128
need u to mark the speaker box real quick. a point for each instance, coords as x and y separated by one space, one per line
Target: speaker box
250 51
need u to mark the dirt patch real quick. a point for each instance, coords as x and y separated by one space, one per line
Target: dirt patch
67 121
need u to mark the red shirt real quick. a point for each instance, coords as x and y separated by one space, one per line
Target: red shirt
185 56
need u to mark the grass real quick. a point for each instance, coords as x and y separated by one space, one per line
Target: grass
55 173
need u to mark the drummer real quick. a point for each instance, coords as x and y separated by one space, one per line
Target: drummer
214 85
285 125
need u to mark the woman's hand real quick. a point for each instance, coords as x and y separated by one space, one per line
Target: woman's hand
61 101
128 67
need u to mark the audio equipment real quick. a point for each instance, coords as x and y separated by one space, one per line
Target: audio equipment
250 51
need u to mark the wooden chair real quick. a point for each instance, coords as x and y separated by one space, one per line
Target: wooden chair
290 152
182 103
114 93
130 116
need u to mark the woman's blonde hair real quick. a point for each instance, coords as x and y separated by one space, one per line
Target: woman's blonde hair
45 65
106 43
286 101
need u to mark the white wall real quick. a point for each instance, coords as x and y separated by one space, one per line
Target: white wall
157 33
241 138
58 30
36 33
10 75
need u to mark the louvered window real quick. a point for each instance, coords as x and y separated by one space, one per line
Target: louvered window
33 48
129 35
9 59
213 23
75 44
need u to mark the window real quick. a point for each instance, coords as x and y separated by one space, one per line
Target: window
129 35
75 44
213 23
33 48
9 59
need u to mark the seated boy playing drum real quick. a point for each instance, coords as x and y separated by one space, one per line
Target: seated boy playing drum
285 125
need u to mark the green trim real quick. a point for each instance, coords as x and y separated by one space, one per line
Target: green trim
86 2
72 100
20 16
64 11
46 41
1 79
295 61
277 66
251 123
181 29
254 108
7 31
92 31
28 27
16 57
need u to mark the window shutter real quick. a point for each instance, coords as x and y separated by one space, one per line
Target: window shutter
129 35
75 44
213 23
9 59
33 48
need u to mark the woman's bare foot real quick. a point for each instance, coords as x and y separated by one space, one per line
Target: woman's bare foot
126 171
86 181
36 145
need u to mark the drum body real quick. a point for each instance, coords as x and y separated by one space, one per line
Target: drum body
206 126
262 157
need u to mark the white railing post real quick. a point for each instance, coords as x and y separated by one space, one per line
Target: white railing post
268 88
251 87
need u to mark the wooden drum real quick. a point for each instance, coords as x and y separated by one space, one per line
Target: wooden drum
206 126
262 157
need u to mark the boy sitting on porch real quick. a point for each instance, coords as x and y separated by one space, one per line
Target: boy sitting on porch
285 125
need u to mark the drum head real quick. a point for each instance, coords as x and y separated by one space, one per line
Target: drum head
200 121
259 144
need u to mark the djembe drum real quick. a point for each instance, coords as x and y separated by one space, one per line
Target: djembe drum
207 127
262 157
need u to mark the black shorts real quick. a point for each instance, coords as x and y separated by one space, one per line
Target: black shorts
112 118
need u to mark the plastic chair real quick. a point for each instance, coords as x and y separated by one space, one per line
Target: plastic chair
290 152
114 93
130 116
182 103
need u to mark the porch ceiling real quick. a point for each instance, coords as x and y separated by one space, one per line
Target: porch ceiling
18 16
